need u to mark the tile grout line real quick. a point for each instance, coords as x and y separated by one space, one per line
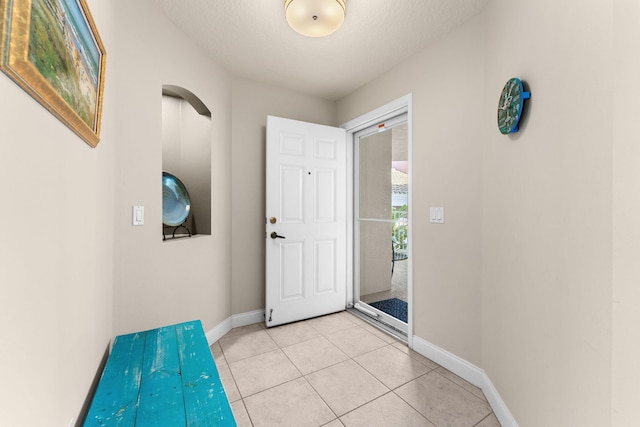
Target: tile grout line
341 326
323 401
459 386
304 376
405 383
478 423
413 407
354 361
325 337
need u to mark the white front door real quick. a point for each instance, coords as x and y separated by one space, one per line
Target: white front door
305 220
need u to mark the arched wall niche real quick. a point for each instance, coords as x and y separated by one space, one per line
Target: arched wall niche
186 153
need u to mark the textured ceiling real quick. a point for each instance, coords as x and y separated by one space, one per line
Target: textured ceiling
251 39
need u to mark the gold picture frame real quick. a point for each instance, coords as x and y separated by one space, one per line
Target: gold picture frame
52 49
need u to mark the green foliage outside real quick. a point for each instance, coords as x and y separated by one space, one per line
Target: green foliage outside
399 230
48 52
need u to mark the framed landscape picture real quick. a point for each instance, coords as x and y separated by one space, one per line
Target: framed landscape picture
51 48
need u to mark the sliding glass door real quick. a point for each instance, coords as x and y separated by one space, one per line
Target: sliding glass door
381 225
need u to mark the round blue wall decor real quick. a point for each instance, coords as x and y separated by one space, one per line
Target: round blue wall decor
510 106
175 200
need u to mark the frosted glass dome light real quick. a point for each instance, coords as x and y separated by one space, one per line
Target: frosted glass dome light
315 18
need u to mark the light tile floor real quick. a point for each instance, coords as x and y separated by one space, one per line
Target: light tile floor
338 370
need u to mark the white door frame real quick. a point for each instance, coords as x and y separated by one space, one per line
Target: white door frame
399 106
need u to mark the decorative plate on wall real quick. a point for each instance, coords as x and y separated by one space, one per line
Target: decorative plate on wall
175 200
510 106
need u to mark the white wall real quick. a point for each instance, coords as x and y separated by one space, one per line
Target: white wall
252 102
56 253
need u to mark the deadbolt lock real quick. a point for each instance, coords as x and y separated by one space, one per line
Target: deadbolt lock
272 220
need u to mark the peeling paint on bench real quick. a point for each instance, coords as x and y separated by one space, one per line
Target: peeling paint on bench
161 377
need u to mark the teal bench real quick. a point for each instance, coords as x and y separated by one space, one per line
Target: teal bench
162 377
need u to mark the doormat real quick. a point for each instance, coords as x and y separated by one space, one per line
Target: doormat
393 307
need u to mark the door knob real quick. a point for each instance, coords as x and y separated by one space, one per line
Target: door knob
275 235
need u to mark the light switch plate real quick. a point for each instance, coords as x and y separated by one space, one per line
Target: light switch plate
436 215
138 215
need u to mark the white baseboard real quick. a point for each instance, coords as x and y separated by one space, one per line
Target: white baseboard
469 372
499 407
248 318
234 321
455 364
219 331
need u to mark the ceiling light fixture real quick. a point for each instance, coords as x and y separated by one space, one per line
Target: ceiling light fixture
315 18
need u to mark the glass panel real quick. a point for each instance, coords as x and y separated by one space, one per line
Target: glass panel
383 223
375 260
375 176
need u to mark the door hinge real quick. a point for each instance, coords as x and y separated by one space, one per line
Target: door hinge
270 314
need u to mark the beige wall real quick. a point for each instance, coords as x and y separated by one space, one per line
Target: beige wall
547 214
74 272
533 277
626 208
158 283
554 250
447 82
186 153
252 102
56 254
